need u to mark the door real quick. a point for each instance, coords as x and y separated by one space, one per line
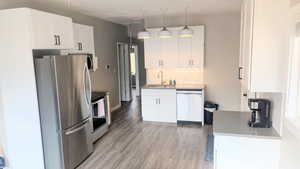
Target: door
124 72
77 144
73 89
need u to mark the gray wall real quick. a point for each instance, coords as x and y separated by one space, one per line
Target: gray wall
106 35
222 33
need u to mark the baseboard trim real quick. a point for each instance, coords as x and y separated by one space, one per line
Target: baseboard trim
116 107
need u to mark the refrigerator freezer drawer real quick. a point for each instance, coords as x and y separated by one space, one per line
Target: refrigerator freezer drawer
77 145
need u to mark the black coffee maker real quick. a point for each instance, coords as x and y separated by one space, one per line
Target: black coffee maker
261 113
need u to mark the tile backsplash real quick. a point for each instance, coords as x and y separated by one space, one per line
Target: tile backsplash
182 76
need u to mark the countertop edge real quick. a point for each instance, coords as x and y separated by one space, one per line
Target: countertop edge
246 136
183 87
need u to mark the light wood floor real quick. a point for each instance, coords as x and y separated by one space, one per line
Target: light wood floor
132 144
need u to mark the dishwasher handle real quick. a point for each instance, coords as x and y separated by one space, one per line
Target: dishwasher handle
189 92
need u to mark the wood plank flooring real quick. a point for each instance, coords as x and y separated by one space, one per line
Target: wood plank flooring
132 144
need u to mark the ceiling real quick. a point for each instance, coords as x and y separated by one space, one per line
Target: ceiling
130 11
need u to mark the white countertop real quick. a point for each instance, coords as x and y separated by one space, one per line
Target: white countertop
235 123
178 86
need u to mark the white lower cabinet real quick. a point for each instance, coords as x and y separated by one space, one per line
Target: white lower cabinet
159 105
234 152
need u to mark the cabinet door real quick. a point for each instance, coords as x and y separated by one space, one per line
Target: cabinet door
185 52
247 10
51 31
197 55
150 108
167 108
153 50
169 50
64 29
191 50
84 38
43 31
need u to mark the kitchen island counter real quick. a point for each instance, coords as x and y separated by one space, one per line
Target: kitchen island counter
235 123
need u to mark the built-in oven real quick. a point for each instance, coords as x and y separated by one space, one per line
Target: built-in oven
101 114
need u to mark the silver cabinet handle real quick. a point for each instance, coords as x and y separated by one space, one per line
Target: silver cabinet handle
59 42
240 73
80 46
55 40
158 101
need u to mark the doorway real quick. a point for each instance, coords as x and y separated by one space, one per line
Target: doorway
128 71
134 65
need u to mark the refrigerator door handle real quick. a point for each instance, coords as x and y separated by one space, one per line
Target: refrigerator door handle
82 126
88 94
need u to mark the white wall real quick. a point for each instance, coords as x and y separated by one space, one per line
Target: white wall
290 146
222 33
106 34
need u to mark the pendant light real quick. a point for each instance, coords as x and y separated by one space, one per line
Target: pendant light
165 33
144 34
186 32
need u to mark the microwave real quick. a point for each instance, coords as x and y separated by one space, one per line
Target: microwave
92 62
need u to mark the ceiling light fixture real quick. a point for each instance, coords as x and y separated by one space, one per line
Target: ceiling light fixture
144 34
165 33
186 32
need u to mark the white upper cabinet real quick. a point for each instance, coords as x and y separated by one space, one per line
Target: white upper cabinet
191 50
169 50
51 31
84 38
264 45
153 51
175 52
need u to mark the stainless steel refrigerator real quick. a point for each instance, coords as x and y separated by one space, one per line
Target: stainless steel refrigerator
64 94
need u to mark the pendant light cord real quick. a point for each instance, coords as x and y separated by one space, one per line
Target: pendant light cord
186 13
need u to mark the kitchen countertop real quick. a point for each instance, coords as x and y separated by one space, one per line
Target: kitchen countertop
178 86
235 123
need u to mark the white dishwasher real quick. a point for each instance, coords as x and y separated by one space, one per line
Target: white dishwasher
190 105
